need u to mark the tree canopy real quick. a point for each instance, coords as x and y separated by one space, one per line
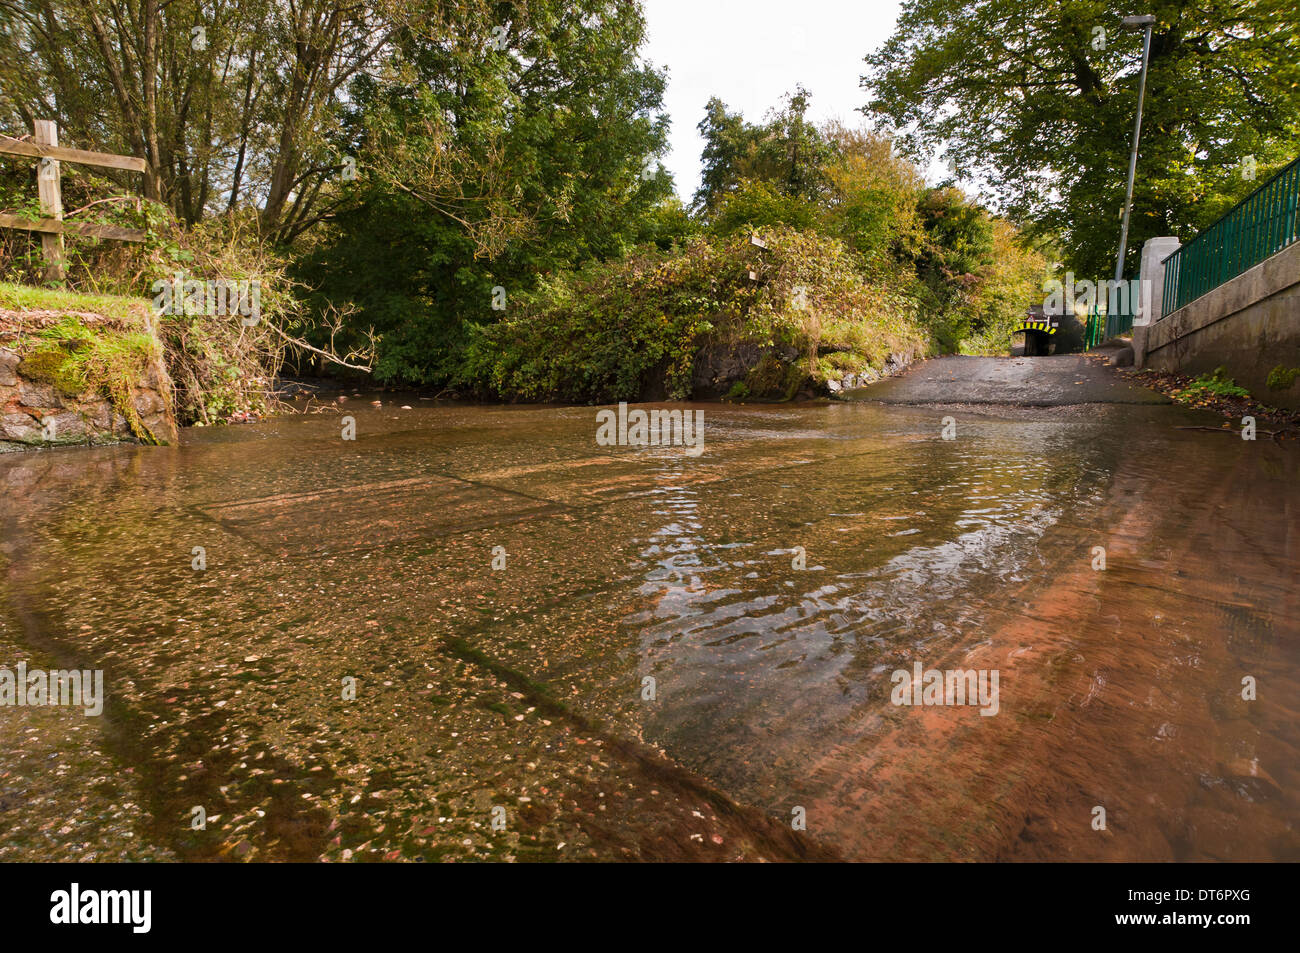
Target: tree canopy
492 171
410 174
1035 100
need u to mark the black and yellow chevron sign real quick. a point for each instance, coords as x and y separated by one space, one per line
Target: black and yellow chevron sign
1035 324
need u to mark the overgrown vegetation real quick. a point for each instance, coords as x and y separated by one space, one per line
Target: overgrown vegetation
863 259
221 367
634 326
468 197
1033 100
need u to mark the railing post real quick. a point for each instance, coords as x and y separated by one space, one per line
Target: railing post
1292 191
1154 284
49 190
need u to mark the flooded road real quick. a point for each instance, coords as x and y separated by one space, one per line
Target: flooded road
677 657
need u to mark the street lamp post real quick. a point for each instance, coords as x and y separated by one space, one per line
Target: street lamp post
1144 23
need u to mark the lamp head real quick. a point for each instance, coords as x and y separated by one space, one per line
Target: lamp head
1139 22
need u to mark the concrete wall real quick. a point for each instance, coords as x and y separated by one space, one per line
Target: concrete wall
1249 325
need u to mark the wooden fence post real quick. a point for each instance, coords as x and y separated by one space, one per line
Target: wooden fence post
50 158
51 197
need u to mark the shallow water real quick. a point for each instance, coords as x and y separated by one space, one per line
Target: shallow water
523 688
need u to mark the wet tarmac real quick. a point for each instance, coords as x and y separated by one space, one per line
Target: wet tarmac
1056 381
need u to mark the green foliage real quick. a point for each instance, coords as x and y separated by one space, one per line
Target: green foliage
506 168
1013 278
219 366
958 246
738 391
1217 384
757 204
1027 100
245 116
598 335
496 145
728 139
667 224
787 153
872 199
620 329
959 237
969 279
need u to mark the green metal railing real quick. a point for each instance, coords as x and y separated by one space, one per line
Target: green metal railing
1094 332
1257 227
1120 321
1104 325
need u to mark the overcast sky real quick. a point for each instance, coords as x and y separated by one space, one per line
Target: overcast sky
749 53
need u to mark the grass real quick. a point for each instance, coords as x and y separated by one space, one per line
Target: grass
111 358
128 311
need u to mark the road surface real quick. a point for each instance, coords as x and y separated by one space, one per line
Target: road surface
1056 381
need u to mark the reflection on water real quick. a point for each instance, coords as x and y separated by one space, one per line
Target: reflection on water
770 587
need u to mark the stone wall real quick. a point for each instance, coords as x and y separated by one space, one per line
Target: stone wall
35 413
722 364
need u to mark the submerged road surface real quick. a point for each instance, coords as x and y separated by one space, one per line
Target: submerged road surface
1055 381
474 632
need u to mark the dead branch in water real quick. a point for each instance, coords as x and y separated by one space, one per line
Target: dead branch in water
1275 434
332 358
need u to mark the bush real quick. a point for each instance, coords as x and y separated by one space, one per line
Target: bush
633 328
220 367
1280 378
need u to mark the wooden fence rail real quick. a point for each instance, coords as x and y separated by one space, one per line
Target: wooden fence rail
45 148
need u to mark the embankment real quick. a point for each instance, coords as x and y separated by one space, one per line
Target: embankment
80 377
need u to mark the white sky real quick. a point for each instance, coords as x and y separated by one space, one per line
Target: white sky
750 52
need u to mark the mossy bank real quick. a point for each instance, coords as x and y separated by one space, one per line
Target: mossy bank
79 370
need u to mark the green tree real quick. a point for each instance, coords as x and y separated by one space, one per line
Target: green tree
230 103
728 139
871 198
1011 281
755 204
531 156
786 152
957 251
1035 99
